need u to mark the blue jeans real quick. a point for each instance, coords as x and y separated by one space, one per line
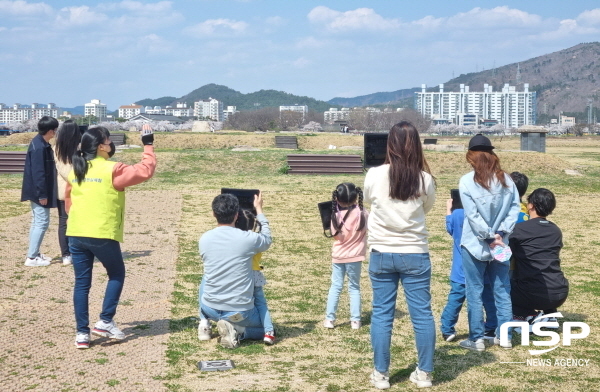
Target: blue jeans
83 250
40 220
248 318
338 271
456 298
497 273
414 271
260 303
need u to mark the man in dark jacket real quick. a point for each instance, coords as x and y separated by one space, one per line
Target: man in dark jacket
39 188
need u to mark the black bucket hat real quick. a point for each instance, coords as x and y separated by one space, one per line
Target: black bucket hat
480 143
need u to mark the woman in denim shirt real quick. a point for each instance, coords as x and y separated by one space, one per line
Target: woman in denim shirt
491 203
400 192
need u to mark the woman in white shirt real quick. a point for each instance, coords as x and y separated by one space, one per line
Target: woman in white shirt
401 192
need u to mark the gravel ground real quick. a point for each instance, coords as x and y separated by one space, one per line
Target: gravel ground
37 326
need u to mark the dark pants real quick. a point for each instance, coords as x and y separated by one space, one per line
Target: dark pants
525 303
83 250
62 229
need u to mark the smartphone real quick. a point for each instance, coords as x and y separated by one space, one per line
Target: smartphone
455 196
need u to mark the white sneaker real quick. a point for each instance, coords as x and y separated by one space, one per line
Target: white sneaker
508 346
328 324
380 380
204 330
45 258
82 340
355 324
477 345
36 262
228 334
67 260
421 379
108 330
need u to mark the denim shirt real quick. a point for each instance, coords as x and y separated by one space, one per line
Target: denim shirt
486 213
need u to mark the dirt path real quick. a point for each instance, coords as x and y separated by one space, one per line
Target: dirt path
37 326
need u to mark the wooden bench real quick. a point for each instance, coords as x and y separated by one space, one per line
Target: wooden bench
430 141
12 162
324 164
286 142
117 138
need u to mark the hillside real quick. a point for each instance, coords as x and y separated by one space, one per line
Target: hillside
398 97
564 80
230 97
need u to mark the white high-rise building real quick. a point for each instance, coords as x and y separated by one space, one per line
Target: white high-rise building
509 107
209 108
294 108
96 108
230 111
18 112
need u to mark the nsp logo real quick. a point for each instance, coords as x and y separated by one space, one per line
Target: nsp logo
536 328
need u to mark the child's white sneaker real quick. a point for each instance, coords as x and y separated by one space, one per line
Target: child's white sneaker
204 331
355 324
67 260
328 324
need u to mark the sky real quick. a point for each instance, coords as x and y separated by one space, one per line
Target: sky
72 51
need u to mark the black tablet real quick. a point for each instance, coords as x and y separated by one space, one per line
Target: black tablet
244 196
375 149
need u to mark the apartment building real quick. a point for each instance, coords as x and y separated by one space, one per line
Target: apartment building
209 108
230 111
96 108
18 112
335 114
128 111
509 107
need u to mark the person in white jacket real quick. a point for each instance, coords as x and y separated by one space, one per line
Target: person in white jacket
400 192
67 141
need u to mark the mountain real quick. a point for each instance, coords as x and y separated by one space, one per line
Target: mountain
398 96
78 110
563 80
230 97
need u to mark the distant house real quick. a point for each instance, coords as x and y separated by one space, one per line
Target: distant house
145 117
128 111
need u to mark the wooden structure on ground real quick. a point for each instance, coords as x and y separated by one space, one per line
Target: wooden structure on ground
117 138
324 164
290 142
12 162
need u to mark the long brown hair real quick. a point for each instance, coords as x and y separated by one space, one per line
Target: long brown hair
486 165
407 162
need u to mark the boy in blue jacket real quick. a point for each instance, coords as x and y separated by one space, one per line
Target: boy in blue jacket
455 216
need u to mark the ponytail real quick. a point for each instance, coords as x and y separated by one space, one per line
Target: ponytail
80 166
361 225
334 209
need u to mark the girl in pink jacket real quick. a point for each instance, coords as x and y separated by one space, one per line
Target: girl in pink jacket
349 225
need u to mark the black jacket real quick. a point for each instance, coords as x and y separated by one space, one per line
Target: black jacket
39 178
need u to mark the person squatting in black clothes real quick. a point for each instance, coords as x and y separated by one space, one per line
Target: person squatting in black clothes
538 282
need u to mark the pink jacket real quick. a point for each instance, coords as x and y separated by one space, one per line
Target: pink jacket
350 245
126 175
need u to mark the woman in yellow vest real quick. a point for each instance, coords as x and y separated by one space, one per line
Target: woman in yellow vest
95 202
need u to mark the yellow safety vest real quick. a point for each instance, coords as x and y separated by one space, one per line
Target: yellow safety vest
97 209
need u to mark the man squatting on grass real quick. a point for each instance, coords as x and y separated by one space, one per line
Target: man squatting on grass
227 253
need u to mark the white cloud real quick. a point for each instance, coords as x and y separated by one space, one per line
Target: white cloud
23 8
79 16
591 17
138 7
365 19
217 26
503 17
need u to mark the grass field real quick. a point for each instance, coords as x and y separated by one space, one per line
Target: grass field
307 357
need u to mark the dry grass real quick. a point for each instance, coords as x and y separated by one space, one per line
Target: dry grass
310 358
